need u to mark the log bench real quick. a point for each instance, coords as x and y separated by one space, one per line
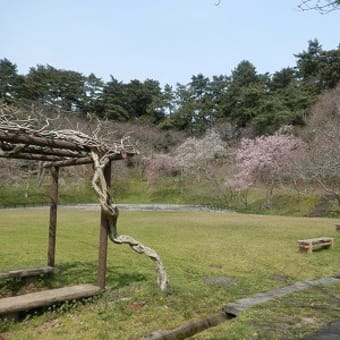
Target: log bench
11 306
307 245
26 273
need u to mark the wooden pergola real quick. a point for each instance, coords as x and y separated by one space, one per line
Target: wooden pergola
57 149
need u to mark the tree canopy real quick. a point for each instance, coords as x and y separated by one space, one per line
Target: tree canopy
245 99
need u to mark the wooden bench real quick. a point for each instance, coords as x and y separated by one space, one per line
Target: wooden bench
10 306
25 273
337 227
307 246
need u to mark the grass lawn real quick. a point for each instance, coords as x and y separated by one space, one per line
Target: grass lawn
253 253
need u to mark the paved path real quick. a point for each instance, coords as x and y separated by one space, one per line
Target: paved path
149 207
330 332
235 308
232 310
130 207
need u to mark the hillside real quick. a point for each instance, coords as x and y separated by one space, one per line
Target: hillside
175 168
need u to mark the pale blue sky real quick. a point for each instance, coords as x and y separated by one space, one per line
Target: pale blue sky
165 40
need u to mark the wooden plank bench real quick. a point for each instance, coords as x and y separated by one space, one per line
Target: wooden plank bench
337 227
308 245
12 305
23 273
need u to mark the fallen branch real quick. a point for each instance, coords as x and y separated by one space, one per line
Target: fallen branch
190 328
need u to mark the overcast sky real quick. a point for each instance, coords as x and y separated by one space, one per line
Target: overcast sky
165 40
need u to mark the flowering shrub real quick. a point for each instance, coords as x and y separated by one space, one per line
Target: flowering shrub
265 159
194 160
161 165
194 154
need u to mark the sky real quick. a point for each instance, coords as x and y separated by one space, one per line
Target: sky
164 40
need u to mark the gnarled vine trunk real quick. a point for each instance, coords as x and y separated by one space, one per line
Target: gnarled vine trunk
111 211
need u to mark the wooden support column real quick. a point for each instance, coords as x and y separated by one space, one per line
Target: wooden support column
103 236
53 216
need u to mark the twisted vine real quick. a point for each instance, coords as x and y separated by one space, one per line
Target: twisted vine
111 212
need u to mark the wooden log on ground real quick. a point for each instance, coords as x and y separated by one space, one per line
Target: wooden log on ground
45 298
30 272
190 328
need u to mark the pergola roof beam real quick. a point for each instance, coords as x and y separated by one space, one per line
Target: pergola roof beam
39 150
41 141
34 157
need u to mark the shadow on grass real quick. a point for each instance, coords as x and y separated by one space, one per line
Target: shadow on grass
76 272
66 274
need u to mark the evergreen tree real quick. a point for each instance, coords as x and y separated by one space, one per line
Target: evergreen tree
318 68
92 100
243 94
329 68
308 61
59 89
10 82
169 104
153 99
195 105
114 105
282 79
183 117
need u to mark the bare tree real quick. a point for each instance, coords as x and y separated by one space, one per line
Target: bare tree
323 6
323 161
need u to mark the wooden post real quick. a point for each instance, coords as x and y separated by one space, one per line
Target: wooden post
103 236
53 216
310 248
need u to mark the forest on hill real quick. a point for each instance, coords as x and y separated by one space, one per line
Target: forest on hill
245 99
244 141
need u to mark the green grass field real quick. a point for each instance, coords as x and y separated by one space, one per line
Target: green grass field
258 253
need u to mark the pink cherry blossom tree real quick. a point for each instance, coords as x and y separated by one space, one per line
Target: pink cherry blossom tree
197 157
197 161
161 165
265 160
